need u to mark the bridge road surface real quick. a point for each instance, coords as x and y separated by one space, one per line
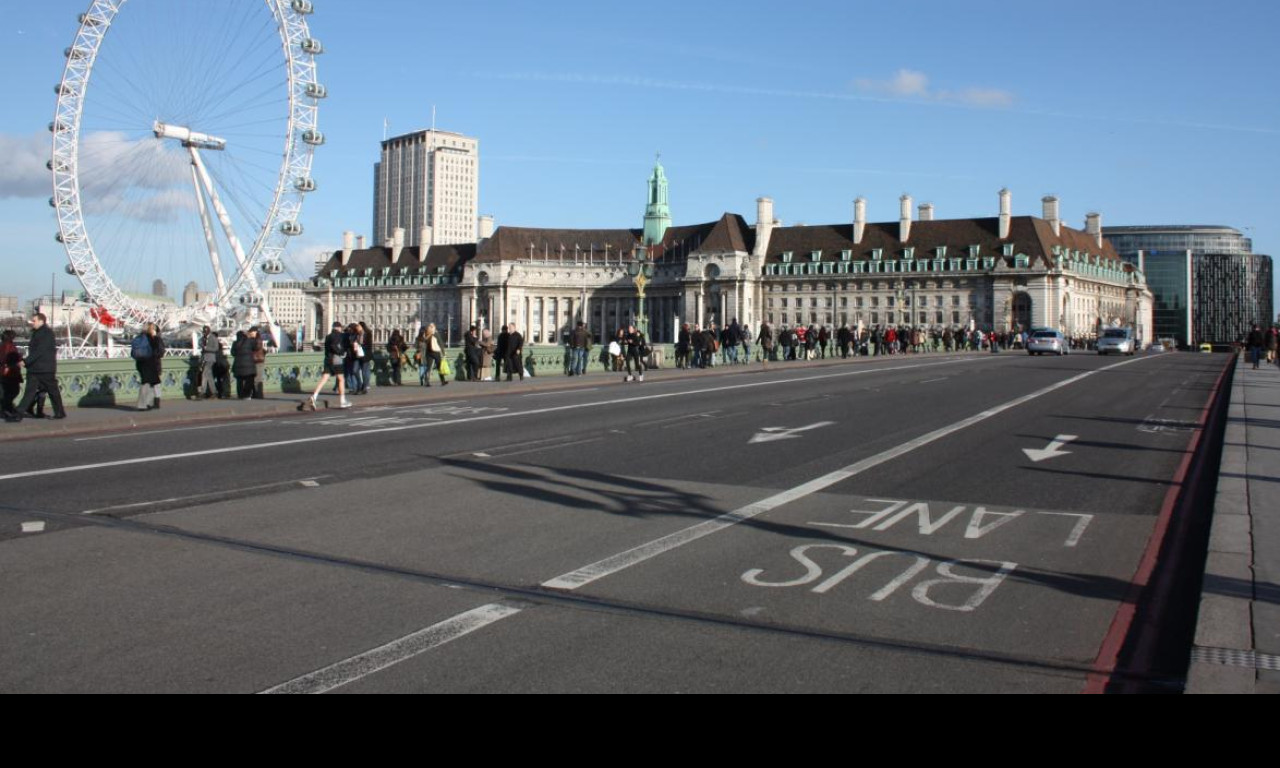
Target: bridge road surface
861 527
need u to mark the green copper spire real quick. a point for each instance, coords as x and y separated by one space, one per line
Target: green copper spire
657 215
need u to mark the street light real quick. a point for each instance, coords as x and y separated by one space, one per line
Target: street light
641 271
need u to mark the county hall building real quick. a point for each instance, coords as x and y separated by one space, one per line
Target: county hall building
1004 272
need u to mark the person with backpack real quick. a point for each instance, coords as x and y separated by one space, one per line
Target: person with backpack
147 351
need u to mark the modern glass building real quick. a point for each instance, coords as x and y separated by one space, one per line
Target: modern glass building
1209 286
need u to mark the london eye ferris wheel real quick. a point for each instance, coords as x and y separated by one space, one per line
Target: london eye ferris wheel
182 148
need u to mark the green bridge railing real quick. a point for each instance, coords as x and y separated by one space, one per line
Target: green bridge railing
106 383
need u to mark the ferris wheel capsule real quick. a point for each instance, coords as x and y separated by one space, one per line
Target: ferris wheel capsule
317 91
312 46
291 228
273 267
305 185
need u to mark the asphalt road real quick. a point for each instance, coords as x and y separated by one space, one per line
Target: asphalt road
870 526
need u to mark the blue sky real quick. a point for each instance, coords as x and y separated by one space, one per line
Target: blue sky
1149 112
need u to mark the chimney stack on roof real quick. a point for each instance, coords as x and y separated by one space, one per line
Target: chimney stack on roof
859 219
904 219
361 243
424 243
764 225
397 244
348 242
1006 213
1051 214
926 211
486 227
1093 225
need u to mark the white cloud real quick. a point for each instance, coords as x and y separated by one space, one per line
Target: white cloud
22 166
909 84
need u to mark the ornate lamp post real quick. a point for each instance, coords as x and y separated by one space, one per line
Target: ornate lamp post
641 271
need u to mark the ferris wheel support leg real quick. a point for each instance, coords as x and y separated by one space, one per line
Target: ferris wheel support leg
208 229
223 217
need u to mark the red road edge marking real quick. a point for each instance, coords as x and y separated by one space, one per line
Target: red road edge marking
1104 666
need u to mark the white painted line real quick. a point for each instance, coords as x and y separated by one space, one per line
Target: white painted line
549 447
562 392
365 664
427 405
468 420
247 423
932 381
199 496
482 456
611 565
33 527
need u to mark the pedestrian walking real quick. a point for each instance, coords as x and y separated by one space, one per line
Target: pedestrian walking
395 349
335 356
637 350
432 352
10 372
42 370
1255 343
210 347
258 346
472 353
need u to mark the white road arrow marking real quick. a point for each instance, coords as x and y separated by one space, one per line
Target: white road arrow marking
1053 451
769 434
33 527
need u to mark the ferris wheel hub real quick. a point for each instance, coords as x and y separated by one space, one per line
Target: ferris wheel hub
188 137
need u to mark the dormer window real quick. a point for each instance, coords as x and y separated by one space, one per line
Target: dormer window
786 257
908 253
942 251
815 256
846 255
974 251
877 253
1008 249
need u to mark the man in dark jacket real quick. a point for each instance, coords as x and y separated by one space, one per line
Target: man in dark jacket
42 370
515 353
1255 342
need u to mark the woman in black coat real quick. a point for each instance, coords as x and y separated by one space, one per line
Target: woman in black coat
150 369
243 366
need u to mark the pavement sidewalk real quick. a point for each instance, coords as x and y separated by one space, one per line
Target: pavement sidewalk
1237 645
179 412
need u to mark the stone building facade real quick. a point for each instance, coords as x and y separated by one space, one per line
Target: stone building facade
1004 272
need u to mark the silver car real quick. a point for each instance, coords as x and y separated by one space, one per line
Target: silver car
1047 341
1117 340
